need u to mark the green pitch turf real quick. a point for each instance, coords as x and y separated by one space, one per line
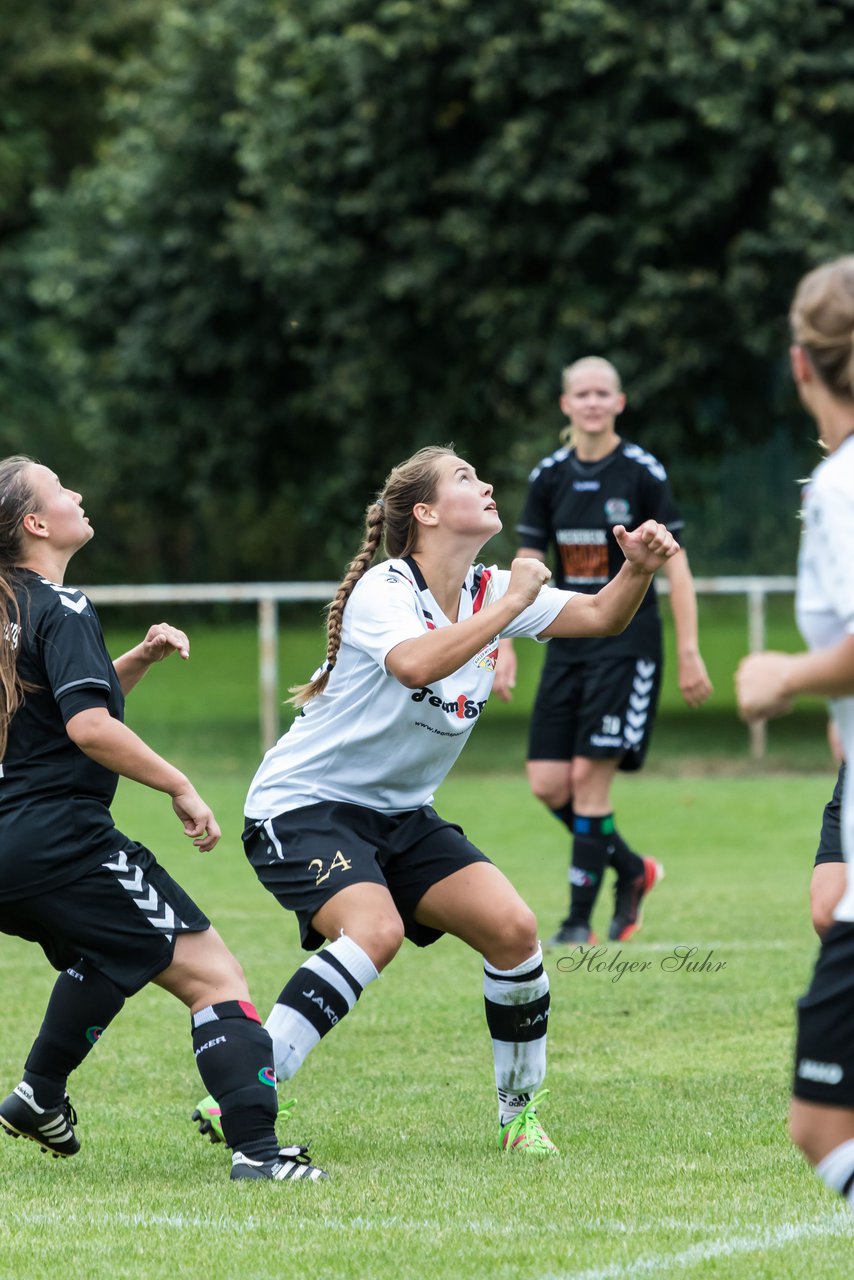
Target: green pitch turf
669 1085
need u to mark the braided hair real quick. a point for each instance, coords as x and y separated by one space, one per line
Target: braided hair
389 520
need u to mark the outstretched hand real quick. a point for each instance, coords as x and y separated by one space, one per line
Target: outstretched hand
647 547
760 685
198 820
163 640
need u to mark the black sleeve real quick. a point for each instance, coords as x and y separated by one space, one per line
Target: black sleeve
535 523
82 698
659 504
76 664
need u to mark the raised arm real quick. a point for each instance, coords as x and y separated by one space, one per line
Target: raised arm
436 654
160 642
505 669
610 610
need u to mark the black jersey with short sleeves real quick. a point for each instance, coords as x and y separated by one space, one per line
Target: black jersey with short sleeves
572 507
55 820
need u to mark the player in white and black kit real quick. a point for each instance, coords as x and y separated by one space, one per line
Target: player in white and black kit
597 698
105 913
340 826
822 319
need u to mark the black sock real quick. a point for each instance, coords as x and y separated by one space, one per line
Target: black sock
82 1005
589 859
566 815
234 1055
627 864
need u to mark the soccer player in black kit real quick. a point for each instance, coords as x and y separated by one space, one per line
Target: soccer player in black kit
107 916
597 699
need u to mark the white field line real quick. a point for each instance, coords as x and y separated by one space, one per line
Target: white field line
837 1224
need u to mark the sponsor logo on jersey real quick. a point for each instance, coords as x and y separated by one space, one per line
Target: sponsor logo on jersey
618 511
586 486
463 707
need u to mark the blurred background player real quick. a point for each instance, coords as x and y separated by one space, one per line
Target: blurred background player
597 698
822 359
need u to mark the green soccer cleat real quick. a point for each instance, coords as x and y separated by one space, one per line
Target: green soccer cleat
208 1117
525 1134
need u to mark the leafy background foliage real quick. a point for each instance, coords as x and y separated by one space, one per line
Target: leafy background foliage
255 252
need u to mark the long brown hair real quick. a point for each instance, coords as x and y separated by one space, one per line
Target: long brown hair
389 520
16 499
822 320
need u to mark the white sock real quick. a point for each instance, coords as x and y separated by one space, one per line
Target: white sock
318 996
517 1011
837 1171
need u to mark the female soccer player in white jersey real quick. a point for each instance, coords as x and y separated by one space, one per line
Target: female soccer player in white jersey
339 823
597 697
822 357
105 913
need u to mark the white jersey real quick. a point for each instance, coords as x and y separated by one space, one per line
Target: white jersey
367 739
825 603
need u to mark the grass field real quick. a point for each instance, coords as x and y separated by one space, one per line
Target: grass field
669 1086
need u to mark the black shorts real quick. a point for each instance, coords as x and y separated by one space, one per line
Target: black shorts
830 840
306 856
601 710
824 1055
122 917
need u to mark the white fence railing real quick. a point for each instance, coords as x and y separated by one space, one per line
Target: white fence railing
267 596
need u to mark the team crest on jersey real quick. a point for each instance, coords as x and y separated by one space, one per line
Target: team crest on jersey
487 657
617 511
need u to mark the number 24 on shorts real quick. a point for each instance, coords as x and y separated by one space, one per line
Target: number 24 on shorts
338 863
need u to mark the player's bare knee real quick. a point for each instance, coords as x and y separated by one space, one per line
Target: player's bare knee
383 940
553 795
801 1131
822 915
515 939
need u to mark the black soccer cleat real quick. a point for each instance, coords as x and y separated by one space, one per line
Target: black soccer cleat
52 1128
571 935
289 1164
628 901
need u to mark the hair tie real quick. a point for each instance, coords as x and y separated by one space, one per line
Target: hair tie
330 663
380 502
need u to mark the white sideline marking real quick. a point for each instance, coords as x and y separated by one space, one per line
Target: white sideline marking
837 1224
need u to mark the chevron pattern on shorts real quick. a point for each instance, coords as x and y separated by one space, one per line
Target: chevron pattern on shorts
639 702
146 897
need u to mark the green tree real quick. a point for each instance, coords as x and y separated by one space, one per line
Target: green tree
325 232
57 60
